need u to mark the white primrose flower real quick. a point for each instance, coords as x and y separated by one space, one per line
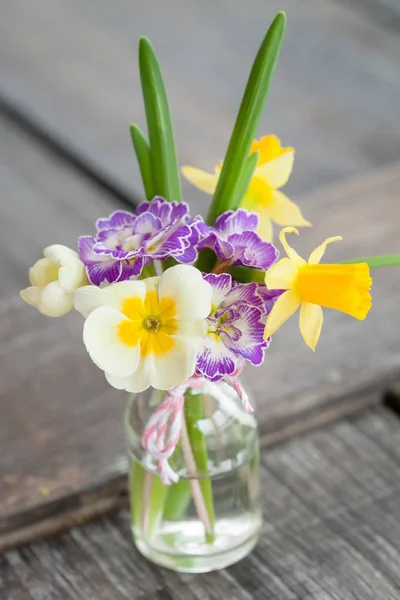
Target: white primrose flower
54 280
147 333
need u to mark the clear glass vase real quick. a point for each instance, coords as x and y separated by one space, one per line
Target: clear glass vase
211 517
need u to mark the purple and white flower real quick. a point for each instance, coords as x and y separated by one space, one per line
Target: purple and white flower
235 327
234 240
126 242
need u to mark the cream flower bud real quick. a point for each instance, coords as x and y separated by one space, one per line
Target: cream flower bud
54 280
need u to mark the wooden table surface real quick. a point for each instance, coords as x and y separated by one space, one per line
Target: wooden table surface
331 532
69 88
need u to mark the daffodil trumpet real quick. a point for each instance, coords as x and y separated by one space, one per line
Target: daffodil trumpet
309 285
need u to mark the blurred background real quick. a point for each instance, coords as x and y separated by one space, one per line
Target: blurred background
70 87
70 69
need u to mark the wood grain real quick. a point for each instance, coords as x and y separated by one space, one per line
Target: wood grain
331 532
61 426
335 95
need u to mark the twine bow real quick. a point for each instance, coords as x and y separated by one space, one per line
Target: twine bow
163 429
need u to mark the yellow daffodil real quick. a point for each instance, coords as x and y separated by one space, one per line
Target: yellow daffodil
263 195
310 286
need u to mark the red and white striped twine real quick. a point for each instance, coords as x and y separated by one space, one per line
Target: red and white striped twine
163 430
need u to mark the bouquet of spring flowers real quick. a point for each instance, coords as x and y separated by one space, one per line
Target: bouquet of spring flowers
177 304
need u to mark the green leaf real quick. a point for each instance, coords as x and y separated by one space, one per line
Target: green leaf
144 159
245 178
193 410
255 95
387 260
164 164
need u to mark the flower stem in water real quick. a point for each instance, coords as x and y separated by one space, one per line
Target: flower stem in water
196 459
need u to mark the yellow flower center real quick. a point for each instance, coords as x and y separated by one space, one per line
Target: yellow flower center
341 287
258 192
151 323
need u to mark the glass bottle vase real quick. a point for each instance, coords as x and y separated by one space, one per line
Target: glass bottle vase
211 517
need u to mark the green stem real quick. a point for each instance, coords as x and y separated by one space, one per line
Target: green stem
136 477
387 260
148 496
193 412
247 274
178 499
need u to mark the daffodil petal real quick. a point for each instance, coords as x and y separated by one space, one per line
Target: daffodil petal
269 148
284 307
310 322
264 228
319 251
207 182
292 254
284 211
276 172
106 349
281 276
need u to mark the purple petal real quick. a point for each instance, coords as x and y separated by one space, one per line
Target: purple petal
252 251
188 256
98 272
164 210
244 292
236 222
168 243
221 286
251 344
147 223
117 219
100 250
85 248
268 297
216 360
223 249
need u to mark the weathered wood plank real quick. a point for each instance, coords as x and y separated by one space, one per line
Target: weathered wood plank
44 201
58 437
335 96
331 532
65 455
